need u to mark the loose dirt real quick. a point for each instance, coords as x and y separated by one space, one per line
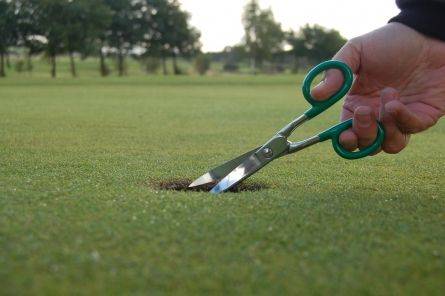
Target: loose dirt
182 185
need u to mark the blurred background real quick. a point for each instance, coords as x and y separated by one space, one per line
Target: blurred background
177 37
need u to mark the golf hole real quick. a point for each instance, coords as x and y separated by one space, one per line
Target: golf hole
183 185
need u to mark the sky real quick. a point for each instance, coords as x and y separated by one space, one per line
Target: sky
220 20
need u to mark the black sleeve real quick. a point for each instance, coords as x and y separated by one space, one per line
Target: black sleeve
425 16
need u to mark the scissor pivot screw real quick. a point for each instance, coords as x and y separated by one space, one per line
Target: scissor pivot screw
267 152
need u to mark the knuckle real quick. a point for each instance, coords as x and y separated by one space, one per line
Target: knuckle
411 129
354 41
392 148
349 105
354 44
369 138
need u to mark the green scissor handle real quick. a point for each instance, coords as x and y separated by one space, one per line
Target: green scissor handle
320 106
334 132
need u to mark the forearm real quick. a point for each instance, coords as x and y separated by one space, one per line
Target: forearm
425 16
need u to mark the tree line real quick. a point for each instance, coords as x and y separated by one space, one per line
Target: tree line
265 39
153 31
156 28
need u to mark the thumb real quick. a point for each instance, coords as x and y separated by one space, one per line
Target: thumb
350 55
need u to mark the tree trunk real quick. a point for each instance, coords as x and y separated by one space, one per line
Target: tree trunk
2 65
120 63
103 67
175 65
164 65
8 61
253 65
28 62
53 65
258 65
72 65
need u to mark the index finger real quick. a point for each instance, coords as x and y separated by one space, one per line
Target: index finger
348 139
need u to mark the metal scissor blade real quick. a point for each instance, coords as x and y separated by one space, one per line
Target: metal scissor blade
216 174
240 173
273 149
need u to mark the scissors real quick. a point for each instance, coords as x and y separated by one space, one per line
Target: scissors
236 170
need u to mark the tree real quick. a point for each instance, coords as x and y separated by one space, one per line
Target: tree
52 18
84 26
75 29
315 43
232 56
184 39
154 23
169 33
8 32
263 35
124 29
30 34
202 64
84 21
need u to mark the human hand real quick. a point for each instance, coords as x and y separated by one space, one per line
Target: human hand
400 79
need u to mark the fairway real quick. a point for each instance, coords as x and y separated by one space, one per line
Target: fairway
81 212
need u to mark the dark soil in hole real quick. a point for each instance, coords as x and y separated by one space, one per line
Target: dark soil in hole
182 185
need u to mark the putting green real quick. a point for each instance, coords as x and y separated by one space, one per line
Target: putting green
79 212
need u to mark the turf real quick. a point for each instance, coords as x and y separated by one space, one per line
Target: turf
80 211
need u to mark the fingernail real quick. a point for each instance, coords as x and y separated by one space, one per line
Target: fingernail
363 118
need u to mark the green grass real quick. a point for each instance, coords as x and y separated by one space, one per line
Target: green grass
79 214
